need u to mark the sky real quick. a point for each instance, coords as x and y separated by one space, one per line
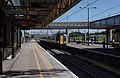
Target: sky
113 7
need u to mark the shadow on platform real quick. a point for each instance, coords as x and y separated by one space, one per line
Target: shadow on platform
33 72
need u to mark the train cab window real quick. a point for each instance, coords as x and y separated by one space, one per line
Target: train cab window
57 38
64 38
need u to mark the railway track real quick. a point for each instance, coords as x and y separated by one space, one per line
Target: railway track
69 62
81 68
106 58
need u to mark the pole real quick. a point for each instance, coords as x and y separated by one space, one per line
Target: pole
88 20
2 21
1 39
47 32
67 26
107 36
97 34
12 39
88 26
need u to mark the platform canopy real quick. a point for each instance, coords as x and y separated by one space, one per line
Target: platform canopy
38 13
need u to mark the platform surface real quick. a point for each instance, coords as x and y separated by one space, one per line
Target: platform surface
96 48
35 62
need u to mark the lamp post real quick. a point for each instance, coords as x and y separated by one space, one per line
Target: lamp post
88 27
89 22
88 9
67 26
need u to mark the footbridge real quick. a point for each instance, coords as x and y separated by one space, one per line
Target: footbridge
110 22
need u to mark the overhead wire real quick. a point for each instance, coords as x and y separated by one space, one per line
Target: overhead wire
114 13
103 11
79 10
110 15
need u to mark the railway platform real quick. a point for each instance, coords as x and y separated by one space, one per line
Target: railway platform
97 48
35 62
96 54
85 45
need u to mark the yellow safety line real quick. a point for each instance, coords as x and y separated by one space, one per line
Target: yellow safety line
38 48
39 53
38 65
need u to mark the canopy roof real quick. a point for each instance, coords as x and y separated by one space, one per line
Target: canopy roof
38 13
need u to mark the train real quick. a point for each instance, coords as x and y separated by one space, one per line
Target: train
60 40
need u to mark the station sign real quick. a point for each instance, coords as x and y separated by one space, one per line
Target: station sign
21 23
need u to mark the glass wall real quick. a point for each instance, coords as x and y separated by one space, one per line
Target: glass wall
97 23
92 24
110 22
103 22
117 20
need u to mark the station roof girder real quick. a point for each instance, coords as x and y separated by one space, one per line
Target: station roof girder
42 12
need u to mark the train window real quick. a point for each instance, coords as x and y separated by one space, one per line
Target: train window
57 37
